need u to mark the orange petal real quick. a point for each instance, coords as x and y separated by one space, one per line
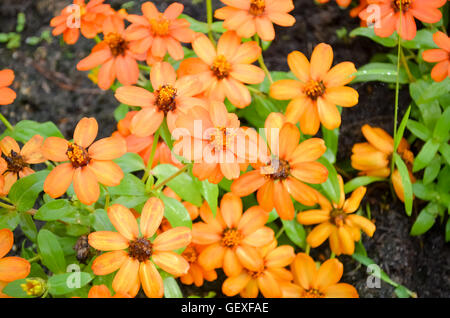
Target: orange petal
300 191
151 216
212 256
59 180
204 49
309 120
304 270
231 209
347 243
321 60
6 241
107 173
86 185
260 237
253 219
288 140
311 172
127 277
107 241
108 148
319 234
247 73
341 290
280 257
146 122
343 96
283 202
329 273
340 75
85 132
352 203
173 239
248 183
313 217
231 265
151 280
6 77
365 224
328 113
94 59
13 268
31 151
8 144
99 291
171 262
108 262
7 96
162 73
134 96
265 196
378 138
234 285
309 150
249 257
269 286
124 221
55 148
299 65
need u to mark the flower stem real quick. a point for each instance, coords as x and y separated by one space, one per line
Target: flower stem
144 67
279 232
209 16
176 174
97 39
152 156
7 206
6 122
397 89
261 61
33 259
405 64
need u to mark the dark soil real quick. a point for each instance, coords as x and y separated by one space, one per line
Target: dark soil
51 89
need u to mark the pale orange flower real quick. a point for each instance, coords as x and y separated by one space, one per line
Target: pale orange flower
196 274
11 268
16 162
337 222
101 291
283 174
389 21
156 33
114 56
171 96
248 17
373 158
79 16
317 91
322 282
267 279
232 237
135 255
89 163
7 95
441 70
224 70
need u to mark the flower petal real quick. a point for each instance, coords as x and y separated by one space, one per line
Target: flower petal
86 185
329 273
6 241
319 234
55 148
321 60
134 96
171 262
173 239
124 221
13 268
299 65
151 216
108 148
127 278
59 180
107 173
151 280
108 262
107 241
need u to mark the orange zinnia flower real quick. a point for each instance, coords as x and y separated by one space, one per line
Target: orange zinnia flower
88 16
389 20
323 282
224 70
248 17
11 268
337 222
170 98
356 10
232 237
267 278
90 163
135 255
196 274
318 91
114 56
101 291
156 33
373 158
16 163
7 95
282 175
442 56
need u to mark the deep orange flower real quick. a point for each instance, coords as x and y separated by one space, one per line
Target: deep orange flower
322 282
135 255
442 56
89 16
341 3
224 70
219 148
389 20
192 209
169 98
156 33
89 163
101 291
317 92
16 162
373 158
196 274
231 237
11 268
114 56
283 174
337 223
356 10
267 278
248 17
7 95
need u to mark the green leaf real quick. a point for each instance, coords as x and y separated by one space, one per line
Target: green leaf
401 292
368 261
425 155
210 192
26 190
20 22
401 128
406 182
129 186
183 184
442 128
175 212
130 162
432 170
424 192
447 231
55 210
360 182
432 91
331 138
68 282
120 112
426 219
444 149
390 41
9 219
28 227
331 186
165 134
100 221
296 232
422 40
51 252
264 105
14 289
418 129
171 288
382 72
24 130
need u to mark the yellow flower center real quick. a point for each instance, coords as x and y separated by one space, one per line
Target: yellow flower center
116 43
160 26
278 169
33 287
165 98
77 155
140 249
190 254
314 89
231 237
15 162
403 4
221 67
312 293
257 7
337 217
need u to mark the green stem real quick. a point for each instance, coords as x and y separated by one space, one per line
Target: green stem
7 206
97 39
209 17
405 64
6 122
261 61
279 232
332 255
397 88
176 174
144 67
307 249
152 156
107 198
33 259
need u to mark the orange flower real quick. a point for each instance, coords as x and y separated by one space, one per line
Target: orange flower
156 33
192 209
7 95
356 10
224 70
323 282
267 278
341 3
16 163
425 10
80 16
196 274
442 55
114 56
135 255
283 174
231 237
11 268
170 98
90 163
248 17
373 158
218 147
337 222
101 291
318 91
